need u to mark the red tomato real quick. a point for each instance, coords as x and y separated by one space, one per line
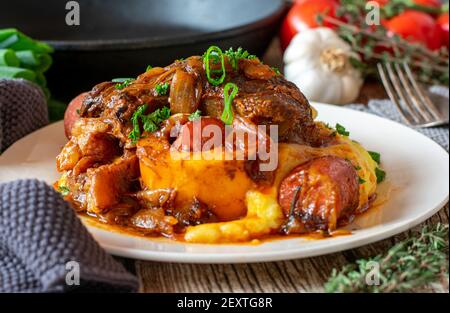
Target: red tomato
71 115
443 23
303 15
416 26
194 134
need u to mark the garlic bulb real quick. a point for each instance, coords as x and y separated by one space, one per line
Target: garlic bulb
318 62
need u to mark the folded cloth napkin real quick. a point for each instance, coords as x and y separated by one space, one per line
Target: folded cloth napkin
43 245
385 108
23 109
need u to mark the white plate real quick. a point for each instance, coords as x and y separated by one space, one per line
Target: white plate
417 167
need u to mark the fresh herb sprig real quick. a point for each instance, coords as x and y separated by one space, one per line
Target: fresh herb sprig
122 82
235 55
412 263
150 122
162 89
196 115
376 44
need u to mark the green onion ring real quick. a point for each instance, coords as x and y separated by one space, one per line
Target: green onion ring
215 81
227 115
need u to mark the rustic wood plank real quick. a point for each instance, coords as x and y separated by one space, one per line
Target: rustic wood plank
304 275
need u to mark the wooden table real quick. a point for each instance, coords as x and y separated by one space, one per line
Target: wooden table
305 275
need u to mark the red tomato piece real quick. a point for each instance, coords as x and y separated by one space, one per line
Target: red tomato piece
418 27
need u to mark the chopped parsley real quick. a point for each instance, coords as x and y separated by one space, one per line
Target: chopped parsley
63 190
381 175
238 54
375 156
341 130
150 122
196 115
357 167
149 67
122 82
162 89
276 70
361 181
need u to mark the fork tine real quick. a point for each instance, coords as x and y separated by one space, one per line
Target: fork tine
391 93
419 105
400 92
431 108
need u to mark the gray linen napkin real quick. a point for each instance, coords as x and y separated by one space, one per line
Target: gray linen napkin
385 108
43 245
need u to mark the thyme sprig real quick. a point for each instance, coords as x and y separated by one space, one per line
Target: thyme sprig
410 264
376 44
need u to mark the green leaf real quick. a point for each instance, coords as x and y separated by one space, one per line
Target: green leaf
341 130
196 115
375 156
162 89
381 175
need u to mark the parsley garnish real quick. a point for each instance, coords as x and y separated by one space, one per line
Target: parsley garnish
162 89
361 181
381 175
276 70
149 67
196 115
122 82
150 122
235 56
63 190
375 156
341 130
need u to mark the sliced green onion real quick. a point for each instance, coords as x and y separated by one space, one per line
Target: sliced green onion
218 53
227 115
8 41
8 58
28 58
17 72
13 39
40 79
121 80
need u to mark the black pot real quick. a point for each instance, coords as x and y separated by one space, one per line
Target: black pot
118 38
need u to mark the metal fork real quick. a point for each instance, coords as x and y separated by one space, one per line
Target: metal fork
413 104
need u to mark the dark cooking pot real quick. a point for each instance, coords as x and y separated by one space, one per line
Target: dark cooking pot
118 38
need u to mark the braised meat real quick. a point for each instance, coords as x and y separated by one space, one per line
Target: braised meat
264 98
118 166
